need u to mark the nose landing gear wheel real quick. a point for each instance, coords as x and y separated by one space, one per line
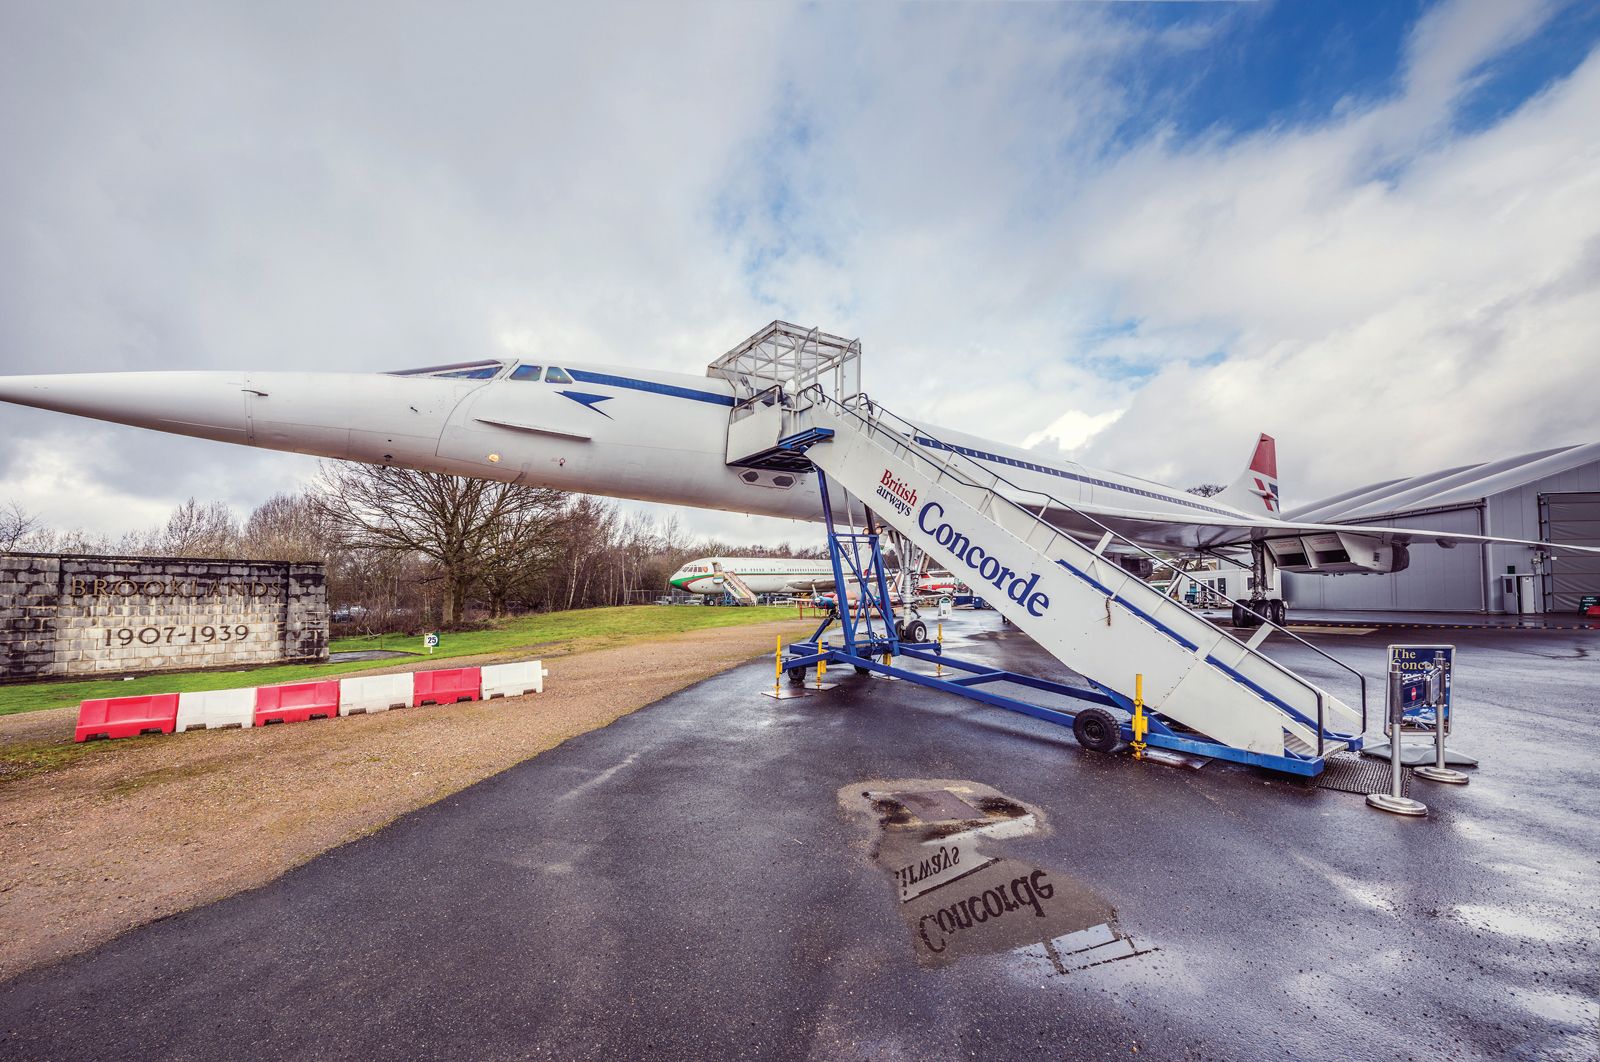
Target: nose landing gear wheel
916 631
1096 730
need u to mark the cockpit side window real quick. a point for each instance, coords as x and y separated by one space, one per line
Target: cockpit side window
526 372
555 375
485 373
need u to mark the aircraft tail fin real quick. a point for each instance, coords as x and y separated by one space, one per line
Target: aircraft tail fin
1257 487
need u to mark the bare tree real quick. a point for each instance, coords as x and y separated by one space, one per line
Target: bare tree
287 527
457 522
1206 490
196 530
520 549
18 528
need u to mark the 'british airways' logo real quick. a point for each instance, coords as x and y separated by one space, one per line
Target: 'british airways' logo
588 401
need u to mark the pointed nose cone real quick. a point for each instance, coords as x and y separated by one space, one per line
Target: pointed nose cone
210 405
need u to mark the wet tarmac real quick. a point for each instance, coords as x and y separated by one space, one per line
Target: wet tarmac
725 875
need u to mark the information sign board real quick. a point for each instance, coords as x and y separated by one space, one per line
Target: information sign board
1415 664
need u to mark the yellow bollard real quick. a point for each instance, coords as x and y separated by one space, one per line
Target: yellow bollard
1140 726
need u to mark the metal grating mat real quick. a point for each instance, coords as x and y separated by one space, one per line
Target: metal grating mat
1347 772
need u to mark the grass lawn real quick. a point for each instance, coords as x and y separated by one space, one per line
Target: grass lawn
595 628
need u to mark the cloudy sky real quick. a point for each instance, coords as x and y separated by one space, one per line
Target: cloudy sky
1137 233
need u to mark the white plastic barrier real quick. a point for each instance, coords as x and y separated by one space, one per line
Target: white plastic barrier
513 680
376 693
216 708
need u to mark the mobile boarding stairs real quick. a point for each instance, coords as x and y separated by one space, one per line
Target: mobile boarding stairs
734 586
1204 692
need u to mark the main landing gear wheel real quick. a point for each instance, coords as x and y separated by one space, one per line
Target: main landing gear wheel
916 631
1278 611
797 676
1096 730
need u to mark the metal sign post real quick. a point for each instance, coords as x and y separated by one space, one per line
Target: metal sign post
1439 694
1403 686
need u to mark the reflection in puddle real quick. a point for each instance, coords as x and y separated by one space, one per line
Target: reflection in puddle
958 900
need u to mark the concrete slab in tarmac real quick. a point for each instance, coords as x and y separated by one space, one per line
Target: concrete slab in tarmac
686 883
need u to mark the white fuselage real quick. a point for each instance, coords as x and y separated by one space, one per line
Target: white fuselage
763 575
620 432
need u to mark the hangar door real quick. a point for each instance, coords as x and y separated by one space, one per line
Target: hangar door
1572 519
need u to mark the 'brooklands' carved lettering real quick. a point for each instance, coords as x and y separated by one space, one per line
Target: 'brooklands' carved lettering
104 586
1017 586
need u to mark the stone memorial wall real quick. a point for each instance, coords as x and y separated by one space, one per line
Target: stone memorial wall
64 615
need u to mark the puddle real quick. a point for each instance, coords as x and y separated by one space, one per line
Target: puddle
939 844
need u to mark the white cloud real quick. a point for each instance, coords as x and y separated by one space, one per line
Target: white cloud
1072 429
646 185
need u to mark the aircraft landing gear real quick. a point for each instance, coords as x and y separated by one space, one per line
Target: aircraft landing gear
1260 607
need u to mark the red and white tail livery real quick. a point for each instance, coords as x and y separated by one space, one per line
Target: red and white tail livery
1256 489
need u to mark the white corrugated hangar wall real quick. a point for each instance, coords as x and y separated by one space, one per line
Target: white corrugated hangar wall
1438 580
1564 507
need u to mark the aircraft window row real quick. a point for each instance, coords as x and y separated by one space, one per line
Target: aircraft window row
551 375
980 455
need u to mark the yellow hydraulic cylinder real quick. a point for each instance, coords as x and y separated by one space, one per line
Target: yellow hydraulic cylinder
777 666
939 667
1141 726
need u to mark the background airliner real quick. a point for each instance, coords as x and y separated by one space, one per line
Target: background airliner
764 575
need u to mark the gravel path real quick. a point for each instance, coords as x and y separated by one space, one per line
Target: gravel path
157 825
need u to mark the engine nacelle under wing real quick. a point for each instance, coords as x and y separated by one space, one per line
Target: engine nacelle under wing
1340 553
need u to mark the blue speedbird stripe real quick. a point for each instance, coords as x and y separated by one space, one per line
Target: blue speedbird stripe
584 376
1031 466
1086 577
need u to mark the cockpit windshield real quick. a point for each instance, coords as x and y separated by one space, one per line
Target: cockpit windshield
461 370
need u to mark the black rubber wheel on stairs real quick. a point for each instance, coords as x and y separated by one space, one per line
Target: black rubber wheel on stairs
1097 730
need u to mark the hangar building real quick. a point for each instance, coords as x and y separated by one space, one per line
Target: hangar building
1548 496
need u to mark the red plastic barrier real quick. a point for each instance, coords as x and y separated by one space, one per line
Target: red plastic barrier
447 687
116 717
297 703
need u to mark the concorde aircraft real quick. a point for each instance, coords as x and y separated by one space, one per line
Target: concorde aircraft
661 436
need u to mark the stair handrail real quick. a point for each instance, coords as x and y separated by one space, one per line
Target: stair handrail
879 413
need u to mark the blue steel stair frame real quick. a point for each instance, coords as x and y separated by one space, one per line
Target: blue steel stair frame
870 638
